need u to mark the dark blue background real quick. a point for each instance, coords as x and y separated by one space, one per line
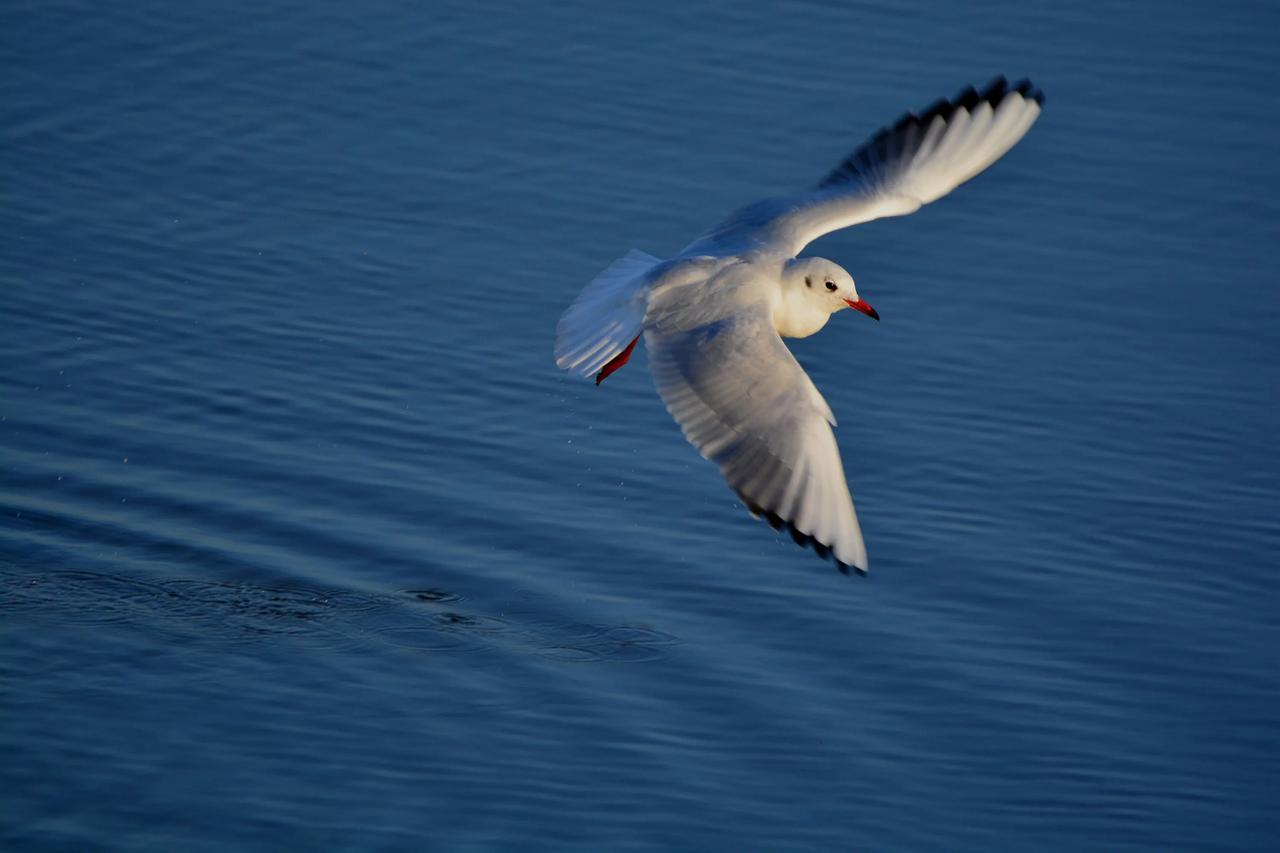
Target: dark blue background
305 543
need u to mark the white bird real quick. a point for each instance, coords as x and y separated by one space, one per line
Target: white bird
714 316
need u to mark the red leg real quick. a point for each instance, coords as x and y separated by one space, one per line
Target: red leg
616 362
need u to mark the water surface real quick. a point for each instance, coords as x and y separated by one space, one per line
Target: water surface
305 543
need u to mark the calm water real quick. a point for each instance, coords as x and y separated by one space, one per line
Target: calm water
305 543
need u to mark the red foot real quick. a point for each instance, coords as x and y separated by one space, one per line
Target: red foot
616 362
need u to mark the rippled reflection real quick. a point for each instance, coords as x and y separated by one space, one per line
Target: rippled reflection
215 613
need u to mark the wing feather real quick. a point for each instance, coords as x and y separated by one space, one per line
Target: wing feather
745 403
917 160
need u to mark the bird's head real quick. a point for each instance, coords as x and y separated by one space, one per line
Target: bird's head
827 284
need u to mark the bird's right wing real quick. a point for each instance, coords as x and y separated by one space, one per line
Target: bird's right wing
743 400
919 159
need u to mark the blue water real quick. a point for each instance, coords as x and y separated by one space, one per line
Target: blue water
306 544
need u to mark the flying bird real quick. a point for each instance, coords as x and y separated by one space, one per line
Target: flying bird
713 317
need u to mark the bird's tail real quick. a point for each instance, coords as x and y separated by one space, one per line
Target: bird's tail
606 317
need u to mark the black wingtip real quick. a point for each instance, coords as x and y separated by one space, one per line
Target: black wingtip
968 98
941 107
996 89
903 122
995 92
797 535
1027 89
910 128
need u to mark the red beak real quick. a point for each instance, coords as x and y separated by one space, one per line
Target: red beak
861 305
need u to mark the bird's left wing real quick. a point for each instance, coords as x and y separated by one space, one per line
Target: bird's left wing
743 400
917 160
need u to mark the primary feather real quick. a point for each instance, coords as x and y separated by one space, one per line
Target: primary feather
919 159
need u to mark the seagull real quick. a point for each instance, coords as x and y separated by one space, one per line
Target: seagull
713 317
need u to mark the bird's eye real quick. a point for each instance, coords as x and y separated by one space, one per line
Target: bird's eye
808 282
831 285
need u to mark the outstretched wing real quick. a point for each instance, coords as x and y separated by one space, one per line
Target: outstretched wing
918 160
743 400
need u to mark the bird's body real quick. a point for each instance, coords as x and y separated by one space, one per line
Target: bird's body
714 316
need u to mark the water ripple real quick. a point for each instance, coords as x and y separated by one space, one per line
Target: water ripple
219 612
